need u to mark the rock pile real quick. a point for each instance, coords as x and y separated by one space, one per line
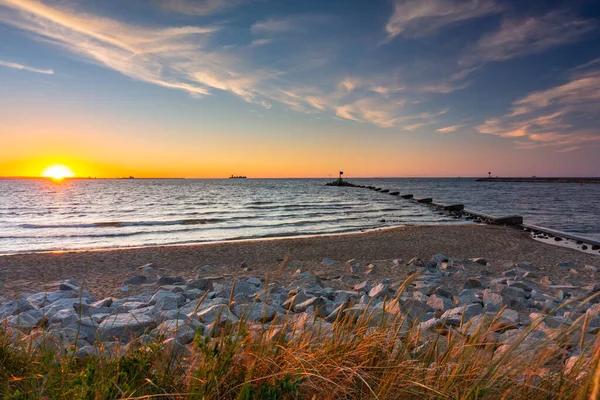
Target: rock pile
441 295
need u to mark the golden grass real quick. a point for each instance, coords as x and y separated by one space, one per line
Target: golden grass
368 358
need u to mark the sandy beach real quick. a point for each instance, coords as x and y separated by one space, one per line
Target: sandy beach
104 271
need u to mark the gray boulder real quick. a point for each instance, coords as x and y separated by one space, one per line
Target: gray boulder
123 327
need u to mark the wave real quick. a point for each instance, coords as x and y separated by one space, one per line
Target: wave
119 224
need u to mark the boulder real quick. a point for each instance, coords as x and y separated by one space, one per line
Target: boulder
219 311
472 283
168 280
382 291
123 327
163 294
200 284
136 280
318 303
177 329
440 303
328 262
255 312
463 313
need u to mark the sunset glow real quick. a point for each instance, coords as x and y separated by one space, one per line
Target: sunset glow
58 172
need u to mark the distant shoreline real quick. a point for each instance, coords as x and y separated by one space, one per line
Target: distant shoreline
542 180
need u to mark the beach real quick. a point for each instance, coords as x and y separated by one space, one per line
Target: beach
103 272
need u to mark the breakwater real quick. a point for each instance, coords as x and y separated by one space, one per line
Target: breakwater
458 210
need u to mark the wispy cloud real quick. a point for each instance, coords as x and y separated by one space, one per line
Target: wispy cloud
449 129
427 17
517 37
552 117
175 58
294 24
22 67
197 7
183 58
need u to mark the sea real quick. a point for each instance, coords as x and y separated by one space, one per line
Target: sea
39 215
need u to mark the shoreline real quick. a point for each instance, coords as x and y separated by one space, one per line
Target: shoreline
531 228
256 239
104 271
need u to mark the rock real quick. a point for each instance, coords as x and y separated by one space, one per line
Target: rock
173 348
136 280
318 303
22 306
373 315
177 329
440 303
193 294
254 281
200 284
492 301
70 284
328 262
26 320
219 311
439 258
416 262
592 288
147 267
520 285
381 291
488 322
364 287
566 265
124 289
410 309
472 283
300 297
167 280
162 294
573 271
255 312
591 268
354 269
479 260
546 281
103 303
122 327
463 313
440 291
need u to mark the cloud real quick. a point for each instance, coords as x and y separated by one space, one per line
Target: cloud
22 67
172 57
559 116
182 58
295 24
197 7
261 42
427 17
449 129
517 37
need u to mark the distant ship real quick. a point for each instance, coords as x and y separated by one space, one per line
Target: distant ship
237 177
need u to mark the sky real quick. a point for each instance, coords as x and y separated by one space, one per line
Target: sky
300 88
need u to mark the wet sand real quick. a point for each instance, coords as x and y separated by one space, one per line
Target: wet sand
104 271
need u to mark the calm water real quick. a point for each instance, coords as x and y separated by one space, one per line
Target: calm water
38 215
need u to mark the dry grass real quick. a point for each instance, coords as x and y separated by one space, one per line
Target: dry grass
367 358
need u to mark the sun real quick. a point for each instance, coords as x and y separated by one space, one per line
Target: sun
58 172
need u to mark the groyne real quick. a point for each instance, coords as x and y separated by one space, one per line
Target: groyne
460 211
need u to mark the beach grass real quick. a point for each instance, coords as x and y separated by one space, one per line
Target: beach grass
359 357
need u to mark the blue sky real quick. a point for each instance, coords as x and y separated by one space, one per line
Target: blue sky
513 86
